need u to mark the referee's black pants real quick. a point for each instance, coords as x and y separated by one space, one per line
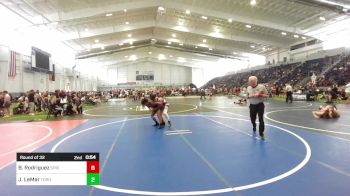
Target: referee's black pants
289 96
254 110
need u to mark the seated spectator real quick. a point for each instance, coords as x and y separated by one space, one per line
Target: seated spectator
20 108
342 95
71 108
45 102
330 95
54 105
79 104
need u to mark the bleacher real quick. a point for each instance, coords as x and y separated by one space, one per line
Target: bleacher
293 73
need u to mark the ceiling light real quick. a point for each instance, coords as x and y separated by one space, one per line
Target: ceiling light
171 56
129 35
109 14
149 52
161 56
210 49
96 40
160 8
196 47
264 48
234 52
133 57
102 48
125 10
131 42
252 46
322 18
303 37
169 42
188 12
126 56
296 36
181 44
229 20
181 60
248 26
127 23
204 17
252 2
121 44
204 41
283 33
173 35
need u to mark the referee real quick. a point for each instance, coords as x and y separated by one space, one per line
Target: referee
257 93
289 91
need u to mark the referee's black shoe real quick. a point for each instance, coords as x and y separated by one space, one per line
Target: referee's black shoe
262 137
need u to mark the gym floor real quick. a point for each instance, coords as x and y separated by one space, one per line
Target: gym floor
210 149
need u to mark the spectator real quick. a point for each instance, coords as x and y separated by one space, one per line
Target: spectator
31 102
7 104
20 108
347 91
2 101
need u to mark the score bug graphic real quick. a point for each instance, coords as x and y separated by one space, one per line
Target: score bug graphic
58 169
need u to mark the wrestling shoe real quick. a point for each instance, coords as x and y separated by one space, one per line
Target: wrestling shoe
161 126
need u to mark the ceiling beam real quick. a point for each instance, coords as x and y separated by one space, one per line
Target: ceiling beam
248 37
234 17
119 7
101 10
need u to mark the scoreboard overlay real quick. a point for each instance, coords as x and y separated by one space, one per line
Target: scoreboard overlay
57 169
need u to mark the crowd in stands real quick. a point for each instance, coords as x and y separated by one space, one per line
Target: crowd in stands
305 70
280 75
56 103
241 79
297 74
163 91
61 103
340 74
